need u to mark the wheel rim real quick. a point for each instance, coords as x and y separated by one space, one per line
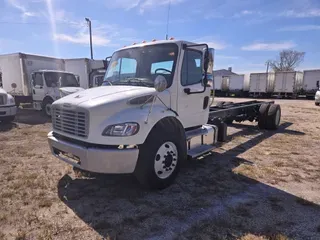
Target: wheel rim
48 109
278 117
166 159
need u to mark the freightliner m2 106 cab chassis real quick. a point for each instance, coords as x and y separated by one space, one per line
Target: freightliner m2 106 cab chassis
152 113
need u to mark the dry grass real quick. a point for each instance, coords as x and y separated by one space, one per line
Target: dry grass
246 189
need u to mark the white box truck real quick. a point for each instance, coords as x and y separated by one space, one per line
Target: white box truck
288 84
36 79
221 84
90 72
311 79
261 84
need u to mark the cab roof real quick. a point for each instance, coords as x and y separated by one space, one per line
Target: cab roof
156 42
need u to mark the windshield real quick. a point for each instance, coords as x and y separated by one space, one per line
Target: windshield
54 79
141 65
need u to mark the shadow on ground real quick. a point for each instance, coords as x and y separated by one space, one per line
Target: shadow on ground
207 201
31 117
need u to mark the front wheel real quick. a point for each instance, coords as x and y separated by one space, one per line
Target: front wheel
161 155
46 107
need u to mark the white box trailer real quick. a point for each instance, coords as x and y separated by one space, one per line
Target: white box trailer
221 85
261 83
311 79
239 85
39 80
288 83
88 70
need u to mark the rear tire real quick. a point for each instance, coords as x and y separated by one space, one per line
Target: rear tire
161 155
46 107
263 112
273 117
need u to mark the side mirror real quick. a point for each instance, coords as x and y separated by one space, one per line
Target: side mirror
208 65
160 83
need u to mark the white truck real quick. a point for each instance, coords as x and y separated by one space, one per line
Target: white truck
24 77
239 85
152 112
288 83
8 107
311 79
90 71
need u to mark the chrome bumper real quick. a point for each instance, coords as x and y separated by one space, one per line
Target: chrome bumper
6 111
95 159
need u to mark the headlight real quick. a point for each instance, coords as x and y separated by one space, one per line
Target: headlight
121 129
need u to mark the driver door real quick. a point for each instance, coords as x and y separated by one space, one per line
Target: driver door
193 108
38 90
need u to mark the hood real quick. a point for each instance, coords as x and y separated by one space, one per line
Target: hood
104 94
2 91
64 91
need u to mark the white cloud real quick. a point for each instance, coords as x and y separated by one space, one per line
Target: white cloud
82 38
313 12
151 4
212 42
300 28
22 8
269 46
124 4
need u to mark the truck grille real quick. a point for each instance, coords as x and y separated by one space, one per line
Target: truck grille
3 99
74 122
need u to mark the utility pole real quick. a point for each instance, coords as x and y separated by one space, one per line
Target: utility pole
90 33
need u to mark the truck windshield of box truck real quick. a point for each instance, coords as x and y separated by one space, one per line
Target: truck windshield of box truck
54 79
141 65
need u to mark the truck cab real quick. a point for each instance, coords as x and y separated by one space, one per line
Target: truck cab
50 85
8 108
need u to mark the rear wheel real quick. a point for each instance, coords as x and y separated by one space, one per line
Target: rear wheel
273 117
46 107
161 155
263 111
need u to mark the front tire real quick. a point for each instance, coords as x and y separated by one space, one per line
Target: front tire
161 155
46 107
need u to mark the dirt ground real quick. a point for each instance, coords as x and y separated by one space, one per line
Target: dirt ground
258 185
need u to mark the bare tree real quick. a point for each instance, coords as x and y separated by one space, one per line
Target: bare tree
288 60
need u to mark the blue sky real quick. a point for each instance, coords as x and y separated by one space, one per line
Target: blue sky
245 33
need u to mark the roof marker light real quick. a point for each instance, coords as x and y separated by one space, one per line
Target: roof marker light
153 40
172 38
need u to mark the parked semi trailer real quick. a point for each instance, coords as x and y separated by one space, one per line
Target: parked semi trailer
288 84
261 84
89 71
221 84
311 79
239 85
36 79
149 123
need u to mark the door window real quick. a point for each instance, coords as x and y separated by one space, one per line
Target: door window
38 81
191 72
